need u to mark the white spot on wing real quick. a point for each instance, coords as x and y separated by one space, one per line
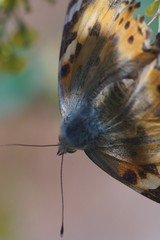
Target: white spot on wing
70 50
151 182
73 9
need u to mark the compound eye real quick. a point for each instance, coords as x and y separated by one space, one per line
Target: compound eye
71 150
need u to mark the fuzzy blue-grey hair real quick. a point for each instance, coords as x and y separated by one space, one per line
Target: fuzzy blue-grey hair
81 128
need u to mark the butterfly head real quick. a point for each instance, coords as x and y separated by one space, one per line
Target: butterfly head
79 130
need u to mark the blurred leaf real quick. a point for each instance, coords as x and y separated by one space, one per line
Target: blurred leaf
9 5
152 8
14 64
24 37
9 60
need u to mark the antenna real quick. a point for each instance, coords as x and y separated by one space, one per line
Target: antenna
27 145
62 196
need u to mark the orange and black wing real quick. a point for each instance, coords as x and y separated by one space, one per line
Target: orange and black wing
102 43
143 178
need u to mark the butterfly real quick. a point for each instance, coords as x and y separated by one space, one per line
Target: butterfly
109 92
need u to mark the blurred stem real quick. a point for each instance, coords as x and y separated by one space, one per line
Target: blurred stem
154 17
159 19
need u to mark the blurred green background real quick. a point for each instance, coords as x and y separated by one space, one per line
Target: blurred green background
96 206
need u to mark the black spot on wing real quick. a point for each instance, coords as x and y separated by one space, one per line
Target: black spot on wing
127 2
150 168
78 49
142 174
147 168
130 9
65 70
137 5
71 59
130 176
131 39
153 194
95 31
127 25
121 21
68 33
140 30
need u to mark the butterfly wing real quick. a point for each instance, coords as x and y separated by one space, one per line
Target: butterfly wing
101 43
144 179
130 148
106 59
